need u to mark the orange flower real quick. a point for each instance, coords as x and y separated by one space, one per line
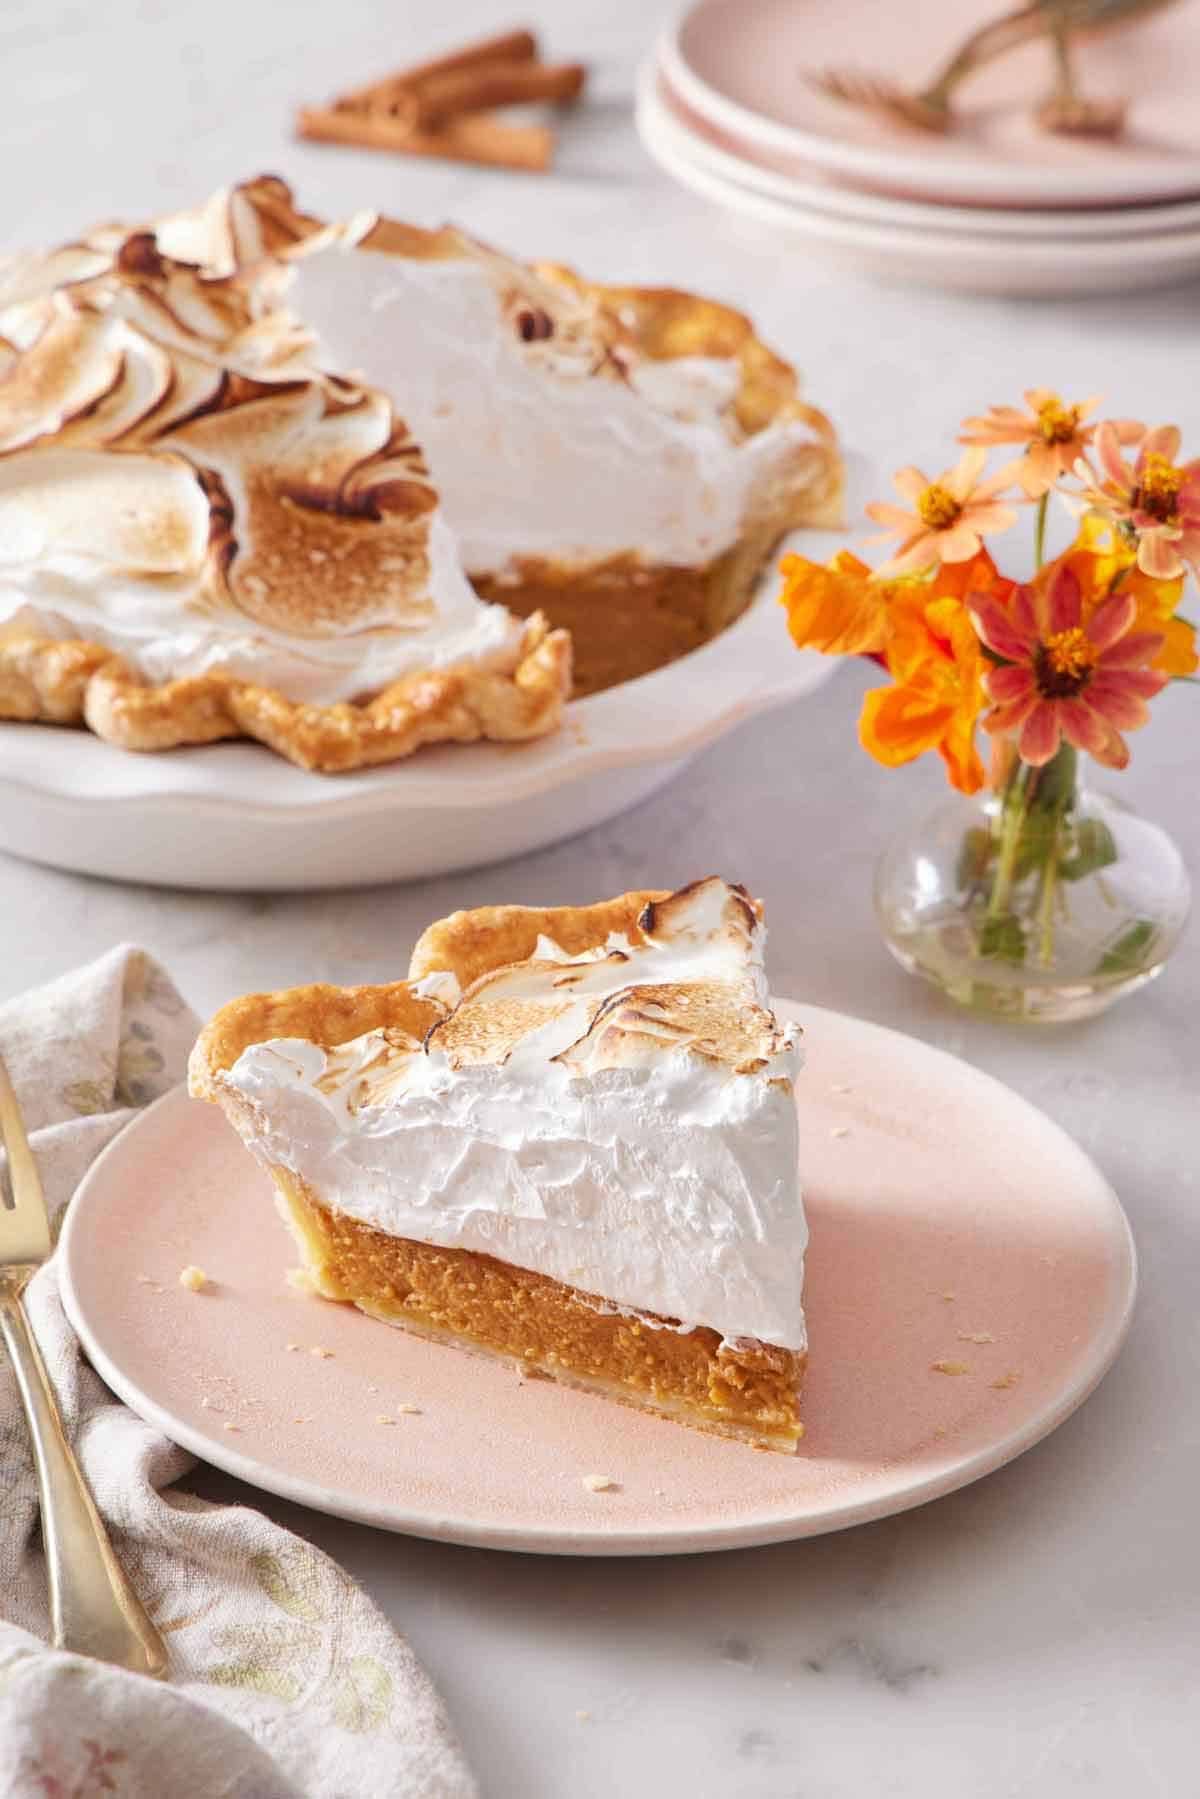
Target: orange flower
1103 561
934 657
1054 436
1155 502
1062 678
949 516
839 610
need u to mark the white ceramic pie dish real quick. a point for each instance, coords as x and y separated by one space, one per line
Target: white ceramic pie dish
236 816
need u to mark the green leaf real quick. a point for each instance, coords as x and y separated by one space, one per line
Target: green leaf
291 1581
1128 953
363 1697
1002 938
1094 849
974 854
259 1678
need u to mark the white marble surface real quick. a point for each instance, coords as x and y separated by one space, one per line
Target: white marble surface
1034 1635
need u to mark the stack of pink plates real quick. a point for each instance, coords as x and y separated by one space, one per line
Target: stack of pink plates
727 105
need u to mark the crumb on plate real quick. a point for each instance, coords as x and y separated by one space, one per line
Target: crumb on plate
950 1367
598 1483
193 1278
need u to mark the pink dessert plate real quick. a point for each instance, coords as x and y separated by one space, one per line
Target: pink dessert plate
742 65
662 114
971 1278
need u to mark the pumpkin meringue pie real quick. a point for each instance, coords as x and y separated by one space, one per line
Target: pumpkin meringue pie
568 1138
351 488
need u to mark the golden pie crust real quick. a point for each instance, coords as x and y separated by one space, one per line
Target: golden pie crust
75 683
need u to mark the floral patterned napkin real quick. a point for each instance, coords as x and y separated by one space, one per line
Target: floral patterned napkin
284 1678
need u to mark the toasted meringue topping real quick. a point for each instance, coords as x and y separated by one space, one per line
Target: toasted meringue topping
552 429
622 1121
179 483
236 228
563 421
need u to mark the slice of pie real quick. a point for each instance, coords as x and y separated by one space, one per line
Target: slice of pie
569 1138
621 459
204 536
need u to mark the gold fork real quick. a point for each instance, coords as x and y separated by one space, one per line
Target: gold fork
93 1609
1064 110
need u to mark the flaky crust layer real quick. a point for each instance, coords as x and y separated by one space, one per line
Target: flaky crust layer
75 683
468 944
318 1013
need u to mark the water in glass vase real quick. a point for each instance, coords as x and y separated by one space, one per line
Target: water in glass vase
1036 899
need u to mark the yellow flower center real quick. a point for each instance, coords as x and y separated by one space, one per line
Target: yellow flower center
1057 423
938 507
1064 663
1158 489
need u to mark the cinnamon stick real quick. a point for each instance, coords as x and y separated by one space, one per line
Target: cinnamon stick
508 47
428 104
473 137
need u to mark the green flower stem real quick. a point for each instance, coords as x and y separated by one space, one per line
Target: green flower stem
1012 821
1039 531
1046 903
1035 803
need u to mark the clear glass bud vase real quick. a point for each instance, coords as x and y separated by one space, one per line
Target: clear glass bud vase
1035 899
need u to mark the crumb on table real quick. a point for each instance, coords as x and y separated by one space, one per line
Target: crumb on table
950 1367
317 1350
193 1278
1007 1380
598 1483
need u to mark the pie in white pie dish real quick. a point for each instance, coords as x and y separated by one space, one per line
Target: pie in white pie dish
214 523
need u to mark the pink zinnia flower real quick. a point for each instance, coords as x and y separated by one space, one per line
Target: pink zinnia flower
1156 501
1053 433
1062 678
949 516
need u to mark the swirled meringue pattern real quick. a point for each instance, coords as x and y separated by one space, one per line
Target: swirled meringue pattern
180 484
